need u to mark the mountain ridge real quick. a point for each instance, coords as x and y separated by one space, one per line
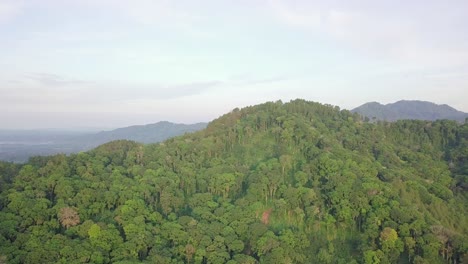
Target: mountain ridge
409 109
33 143
148 133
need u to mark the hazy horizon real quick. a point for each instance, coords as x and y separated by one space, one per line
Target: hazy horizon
113 121
113 63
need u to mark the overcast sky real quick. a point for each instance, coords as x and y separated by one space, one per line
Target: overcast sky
112 63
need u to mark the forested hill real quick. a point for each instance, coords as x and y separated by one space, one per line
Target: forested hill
296 182
407 109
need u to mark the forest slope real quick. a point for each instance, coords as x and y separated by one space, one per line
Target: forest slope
296 182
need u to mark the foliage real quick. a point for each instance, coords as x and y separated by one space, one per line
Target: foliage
298 182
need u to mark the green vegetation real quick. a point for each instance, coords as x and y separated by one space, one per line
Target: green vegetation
298 182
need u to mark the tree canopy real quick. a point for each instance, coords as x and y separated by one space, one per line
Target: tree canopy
296 182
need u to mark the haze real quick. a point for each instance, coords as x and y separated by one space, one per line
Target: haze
111 63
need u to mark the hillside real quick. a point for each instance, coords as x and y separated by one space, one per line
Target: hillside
19 146
419 110
296 182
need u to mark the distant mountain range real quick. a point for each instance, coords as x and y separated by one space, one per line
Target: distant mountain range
18 146
150 133
409 109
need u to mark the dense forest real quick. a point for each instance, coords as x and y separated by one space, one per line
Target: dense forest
296 182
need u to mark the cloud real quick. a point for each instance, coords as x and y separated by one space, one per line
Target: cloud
251 79
386 32
112 18
361 29
188 89
52 80
147 12
154 12
53 92
291 15
10 9
49 92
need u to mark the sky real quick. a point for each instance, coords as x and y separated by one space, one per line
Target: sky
114 63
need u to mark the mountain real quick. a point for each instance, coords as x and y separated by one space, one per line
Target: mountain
419 110
296 182
150 133
19 146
